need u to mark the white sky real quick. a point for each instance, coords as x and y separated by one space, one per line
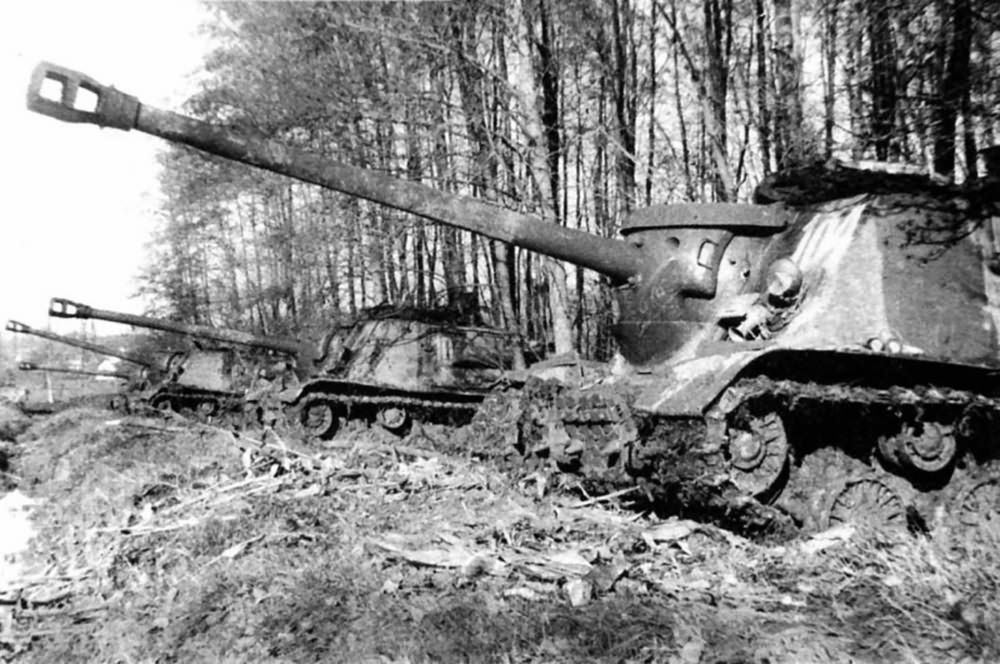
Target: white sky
78 200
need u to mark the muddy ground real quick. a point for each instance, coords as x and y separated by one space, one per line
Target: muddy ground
163 540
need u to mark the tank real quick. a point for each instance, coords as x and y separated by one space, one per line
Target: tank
208 382
828 354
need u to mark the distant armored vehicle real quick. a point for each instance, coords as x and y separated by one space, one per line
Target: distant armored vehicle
147 372
20 328
829 355
114 399
209 381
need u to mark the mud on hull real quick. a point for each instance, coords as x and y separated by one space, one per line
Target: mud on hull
771 458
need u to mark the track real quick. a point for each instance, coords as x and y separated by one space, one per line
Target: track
770 459
319 416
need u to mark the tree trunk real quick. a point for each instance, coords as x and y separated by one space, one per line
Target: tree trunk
717 38
954 86
883 83
651 133
539 162
790 148
830 69
763 88
711 95
624 75
689 184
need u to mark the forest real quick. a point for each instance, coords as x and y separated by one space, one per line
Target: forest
579 112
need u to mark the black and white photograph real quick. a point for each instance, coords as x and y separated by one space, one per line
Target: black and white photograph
514 331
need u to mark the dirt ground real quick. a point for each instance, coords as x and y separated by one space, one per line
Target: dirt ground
162 540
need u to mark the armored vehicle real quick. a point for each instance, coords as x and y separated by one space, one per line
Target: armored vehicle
80 393
147 373
207 381
801 362
396 365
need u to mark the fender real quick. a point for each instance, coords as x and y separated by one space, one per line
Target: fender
350 388
693 386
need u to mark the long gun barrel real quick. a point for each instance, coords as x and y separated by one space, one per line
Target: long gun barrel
21 328
31 366
63 308
615 258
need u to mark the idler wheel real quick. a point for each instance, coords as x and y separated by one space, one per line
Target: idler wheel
979 505
868 502
393 419
319 419
758 454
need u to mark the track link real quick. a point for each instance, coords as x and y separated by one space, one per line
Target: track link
771 458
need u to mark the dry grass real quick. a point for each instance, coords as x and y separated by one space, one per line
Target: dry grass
186 553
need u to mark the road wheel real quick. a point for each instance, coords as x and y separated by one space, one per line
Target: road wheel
320 419
758 455
396 420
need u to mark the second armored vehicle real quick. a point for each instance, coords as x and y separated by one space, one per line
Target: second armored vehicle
394 366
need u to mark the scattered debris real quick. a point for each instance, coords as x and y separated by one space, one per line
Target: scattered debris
672 530
828 538
235 550
606 497
454 556
555 566
578 591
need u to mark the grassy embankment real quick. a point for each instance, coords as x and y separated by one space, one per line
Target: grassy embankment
161 542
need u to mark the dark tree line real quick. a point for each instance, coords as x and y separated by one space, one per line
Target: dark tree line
576 111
